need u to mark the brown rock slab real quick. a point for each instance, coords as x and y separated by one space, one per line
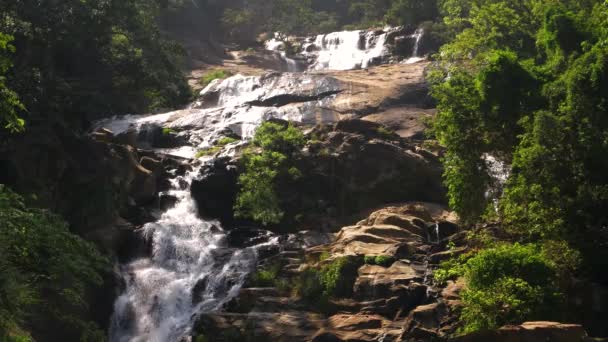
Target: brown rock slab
530 332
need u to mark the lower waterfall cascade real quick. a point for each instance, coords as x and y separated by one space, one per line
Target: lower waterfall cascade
188 255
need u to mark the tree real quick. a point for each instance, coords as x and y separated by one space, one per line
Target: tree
526 81
268 172
10 106
46 275
78 60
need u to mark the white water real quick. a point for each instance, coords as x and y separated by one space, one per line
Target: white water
418 37
158 305
275 44
347 50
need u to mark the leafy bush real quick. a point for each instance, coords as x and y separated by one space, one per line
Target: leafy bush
226 141
380 260
384 260
369 260
335 279
45 273
212 76
506 284
10 106
266 277
278 137
268 172
207 152
339 276
385 133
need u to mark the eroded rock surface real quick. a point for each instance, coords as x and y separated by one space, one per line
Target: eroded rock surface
386 302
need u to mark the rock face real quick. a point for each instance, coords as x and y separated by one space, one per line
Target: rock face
215 192
240 103
388 301
530 332
348 167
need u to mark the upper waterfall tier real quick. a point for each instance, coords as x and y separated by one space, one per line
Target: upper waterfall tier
238 105
348 50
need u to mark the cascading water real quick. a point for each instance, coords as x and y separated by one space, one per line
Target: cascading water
275 44
417 36
191 270
346 50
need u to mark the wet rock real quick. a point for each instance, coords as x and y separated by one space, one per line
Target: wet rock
167 202
215 192
152 164
143 188
258 326
242 237
360 327
379 282
198 290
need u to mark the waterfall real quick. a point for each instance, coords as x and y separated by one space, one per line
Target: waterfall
346 50
278 45
417 36
191 270
437 232
499 173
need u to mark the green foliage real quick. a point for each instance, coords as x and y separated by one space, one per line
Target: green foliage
46 272
168 131
338 277
226 141
268 171
527 84
507 284
507 301
380 260
208 152
334 279
384 260
78 60
212 76
219 145
308 285
257 198
244 22
10 106
267 277
277 137
411 12
385 133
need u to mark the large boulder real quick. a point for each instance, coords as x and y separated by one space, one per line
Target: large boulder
215 191
397 231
